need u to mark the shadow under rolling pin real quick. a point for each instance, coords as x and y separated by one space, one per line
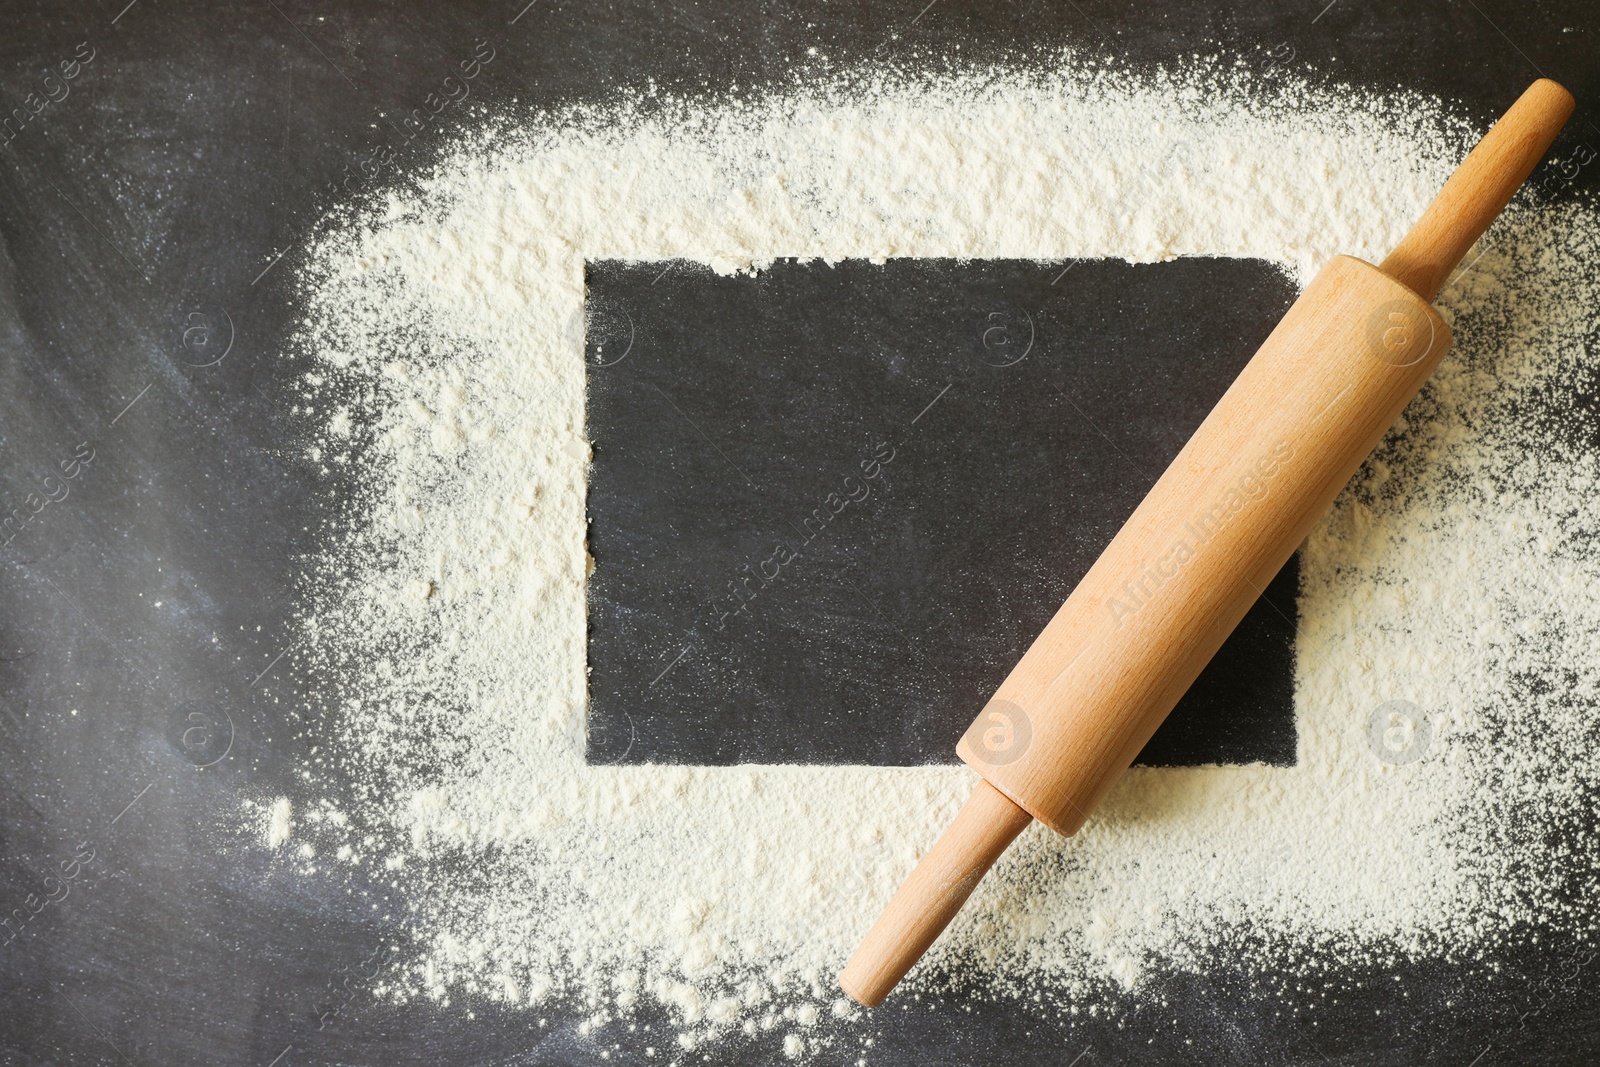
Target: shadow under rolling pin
1197 552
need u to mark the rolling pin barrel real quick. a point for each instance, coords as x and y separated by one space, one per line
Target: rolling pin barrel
1198 551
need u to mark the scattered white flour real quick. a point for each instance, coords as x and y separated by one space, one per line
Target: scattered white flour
1455 572
279 828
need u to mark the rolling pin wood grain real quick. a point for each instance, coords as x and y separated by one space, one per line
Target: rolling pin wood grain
1224 517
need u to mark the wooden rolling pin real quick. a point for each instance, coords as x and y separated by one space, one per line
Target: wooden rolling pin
1200 548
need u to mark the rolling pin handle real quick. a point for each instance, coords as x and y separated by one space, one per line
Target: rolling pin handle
930 898
1479 189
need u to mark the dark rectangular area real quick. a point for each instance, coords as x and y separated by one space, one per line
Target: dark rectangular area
831 505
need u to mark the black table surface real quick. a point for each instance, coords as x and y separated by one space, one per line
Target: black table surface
181 176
